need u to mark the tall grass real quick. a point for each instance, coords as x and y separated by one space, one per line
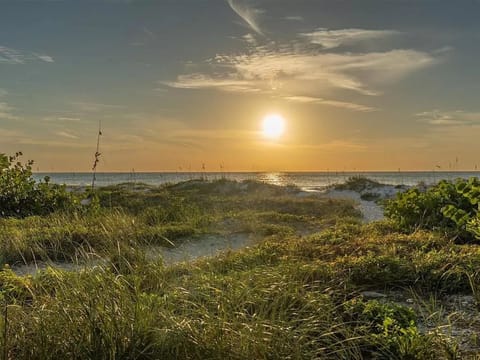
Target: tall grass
293 295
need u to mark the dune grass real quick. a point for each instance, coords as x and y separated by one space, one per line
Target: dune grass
162 216
294 295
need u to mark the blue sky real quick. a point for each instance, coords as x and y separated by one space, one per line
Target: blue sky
373 85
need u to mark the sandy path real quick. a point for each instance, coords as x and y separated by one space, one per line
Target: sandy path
190 249
370 209
205 246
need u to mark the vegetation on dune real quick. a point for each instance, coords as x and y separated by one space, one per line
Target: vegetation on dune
288 297
359 184
21 196
161 216
304 291
449 206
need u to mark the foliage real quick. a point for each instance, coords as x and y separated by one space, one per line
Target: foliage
449 206
370 196
21 195
358 183
389 329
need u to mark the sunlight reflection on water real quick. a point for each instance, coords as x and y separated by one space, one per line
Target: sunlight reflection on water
306 180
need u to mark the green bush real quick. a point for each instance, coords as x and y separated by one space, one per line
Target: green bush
449 206
358 183
21 195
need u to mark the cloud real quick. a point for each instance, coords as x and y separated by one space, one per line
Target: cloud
334 103
202 81
45 58
6 112
61 118
294 18
13 56
66 134
148 32
330 39
300 72
143 37
248 14
449 118
250 39
94 107
3 92
293 69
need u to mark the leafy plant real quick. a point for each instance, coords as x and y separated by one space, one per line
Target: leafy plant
449 206
21 195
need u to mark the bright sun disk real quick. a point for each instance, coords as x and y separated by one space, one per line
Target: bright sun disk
273 126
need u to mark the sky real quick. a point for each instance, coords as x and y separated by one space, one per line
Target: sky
362 85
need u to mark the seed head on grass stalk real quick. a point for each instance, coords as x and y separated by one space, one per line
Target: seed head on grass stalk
97 155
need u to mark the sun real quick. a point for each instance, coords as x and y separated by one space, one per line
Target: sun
273 126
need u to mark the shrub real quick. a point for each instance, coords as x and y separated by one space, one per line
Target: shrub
358 183
21 195
449 206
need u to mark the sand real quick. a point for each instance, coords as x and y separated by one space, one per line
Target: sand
370 210
203 246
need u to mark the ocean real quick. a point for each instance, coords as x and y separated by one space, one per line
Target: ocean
308 181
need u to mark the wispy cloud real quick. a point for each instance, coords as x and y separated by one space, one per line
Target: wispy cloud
300 71
250 39
94 106
45 58
449 118
292 70
143 37
203 81
6 112
13 56
62 118
248 13
334 103
66 134
294 18
330 39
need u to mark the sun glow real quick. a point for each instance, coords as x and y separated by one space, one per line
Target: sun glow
273 126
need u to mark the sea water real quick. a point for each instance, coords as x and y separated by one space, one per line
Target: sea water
308 181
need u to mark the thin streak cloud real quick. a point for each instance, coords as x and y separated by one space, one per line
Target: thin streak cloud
449 118
14 56
66 134
334 103
330 39
248 14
